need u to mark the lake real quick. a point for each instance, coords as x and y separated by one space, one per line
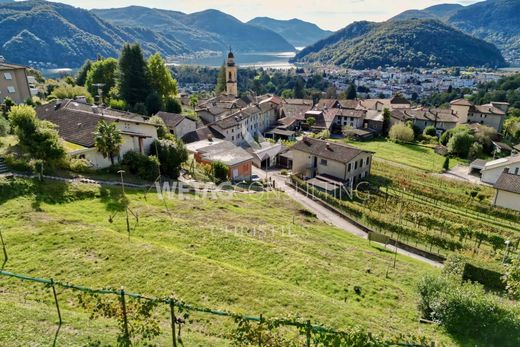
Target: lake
273 60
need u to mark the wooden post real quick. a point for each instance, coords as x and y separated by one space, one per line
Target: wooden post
3 247
308 333
125 319
395 255
172 314
56 300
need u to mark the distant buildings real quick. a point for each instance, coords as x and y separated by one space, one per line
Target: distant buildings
14 83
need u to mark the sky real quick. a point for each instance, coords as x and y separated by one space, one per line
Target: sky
328 14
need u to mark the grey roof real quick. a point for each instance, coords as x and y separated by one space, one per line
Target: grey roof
509 183
328 150
172 119
202 133
225 152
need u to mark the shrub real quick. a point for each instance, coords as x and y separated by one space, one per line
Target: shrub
153 104
512 278
430 131
117 104
80 165
401 133
172 105
139 164
171 155
466 311
140 108
4 126
464 269
284 172
460 144
475 151
220 171
70 92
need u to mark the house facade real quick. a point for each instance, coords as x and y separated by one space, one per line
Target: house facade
508 191
14 83
77 123
177 124
492 170
347 164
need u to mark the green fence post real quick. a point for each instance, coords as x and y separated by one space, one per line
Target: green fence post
125 319
172 314
56 300
309 333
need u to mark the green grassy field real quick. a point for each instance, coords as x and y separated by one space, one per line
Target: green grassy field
412 155
243 255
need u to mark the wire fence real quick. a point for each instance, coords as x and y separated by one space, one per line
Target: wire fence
311 332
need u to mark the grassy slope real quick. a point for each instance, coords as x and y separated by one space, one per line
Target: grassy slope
412 155
303 272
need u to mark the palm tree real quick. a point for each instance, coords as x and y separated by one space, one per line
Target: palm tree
108 139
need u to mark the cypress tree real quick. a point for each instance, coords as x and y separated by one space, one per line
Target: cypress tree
133 82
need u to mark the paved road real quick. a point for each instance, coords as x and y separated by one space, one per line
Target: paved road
327 215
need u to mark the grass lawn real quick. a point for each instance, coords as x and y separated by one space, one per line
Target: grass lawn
242 254
408 154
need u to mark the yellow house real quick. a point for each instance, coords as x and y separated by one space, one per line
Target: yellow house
13 83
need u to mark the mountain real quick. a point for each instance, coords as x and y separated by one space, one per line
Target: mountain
299 33
206 30
402 43
43 31
496 21
442 11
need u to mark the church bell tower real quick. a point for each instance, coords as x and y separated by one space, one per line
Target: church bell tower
231 75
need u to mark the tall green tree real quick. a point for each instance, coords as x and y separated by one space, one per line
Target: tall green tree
299 88
351 93
133 82
221 80
81 77
102 72
108 140
160 77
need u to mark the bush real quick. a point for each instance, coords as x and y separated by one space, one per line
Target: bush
460 144
117 104
172 105
80 165
4 126
153 104
462 268
475 151
220 171
466 311
171 155
430 131
140 108
71 92
139 164
401 133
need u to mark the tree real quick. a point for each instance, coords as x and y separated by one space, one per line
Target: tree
446 164
140 108
102 72
108 140
400 132
194 100
351 93
387 115
133 83
4 126
161 80
331 92
512 128
172 105
220 87
38 138
7 105
310 121
220 171
299 88
171 155
153 104
430 131
81 77
460 144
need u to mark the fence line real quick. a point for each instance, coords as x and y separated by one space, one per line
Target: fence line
181 305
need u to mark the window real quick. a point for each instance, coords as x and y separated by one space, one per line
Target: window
349 167
517 171
368 160
11 89
323 162
8 76
355 165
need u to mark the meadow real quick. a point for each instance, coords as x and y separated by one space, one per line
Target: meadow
247 253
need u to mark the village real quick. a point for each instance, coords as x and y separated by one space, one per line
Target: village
378 169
